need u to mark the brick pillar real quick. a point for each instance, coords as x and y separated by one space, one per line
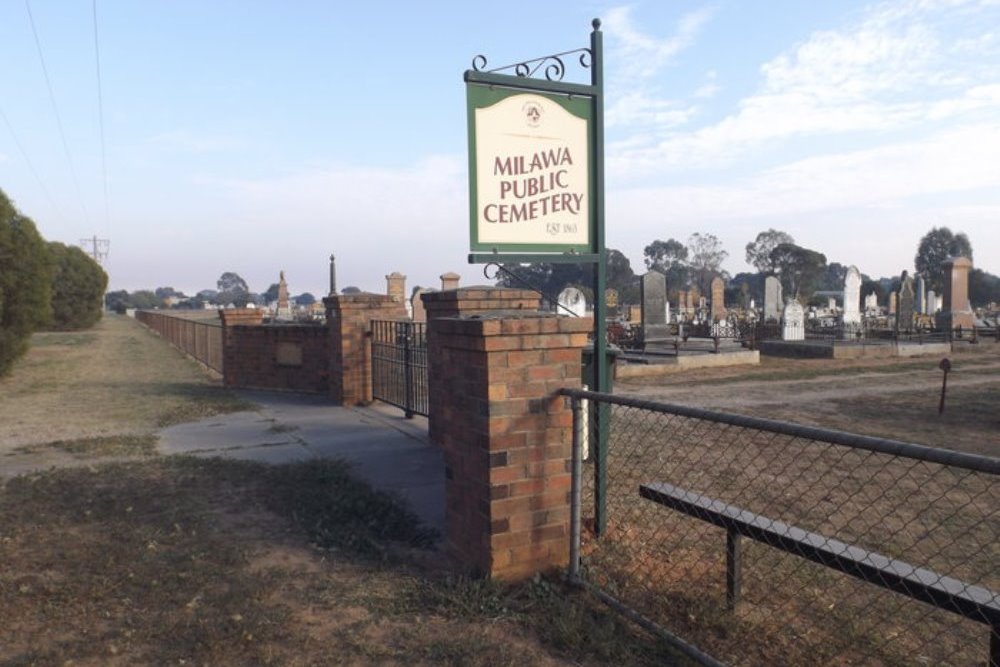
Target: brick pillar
348 318
506 435
396 286
450 280
477 300
234 317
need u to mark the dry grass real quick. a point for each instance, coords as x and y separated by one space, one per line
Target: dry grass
154 560
101 393
673 567
194 561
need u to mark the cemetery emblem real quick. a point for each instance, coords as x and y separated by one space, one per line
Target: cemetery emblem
533 113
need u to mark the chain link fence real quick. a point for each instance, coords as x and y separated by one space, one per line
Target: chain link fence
766 543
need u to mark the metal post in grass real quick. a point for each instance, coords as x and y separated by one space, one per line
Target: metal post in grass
945 366
576 487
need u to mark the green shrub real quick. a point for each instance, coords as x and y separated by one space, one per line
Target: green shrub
78 285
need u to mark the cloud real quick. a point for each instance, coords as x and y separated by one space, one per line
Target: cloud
638 58
642 55
899 68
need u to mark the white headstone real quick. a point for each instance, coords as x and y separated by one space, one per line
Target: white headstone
852 296
571 299
932 303
871 302
793 321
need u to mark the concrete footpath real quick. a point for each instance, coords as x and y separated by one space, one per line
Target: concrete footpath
384 448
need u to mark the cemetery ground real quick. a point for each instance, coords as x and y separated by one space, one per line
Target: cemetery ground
115 555
118 555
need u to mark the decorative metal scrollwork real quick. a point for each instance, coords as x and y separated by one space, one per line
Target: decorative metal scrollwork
553 67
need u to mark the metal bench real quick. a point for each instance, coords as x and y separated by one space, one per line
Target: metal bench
973 602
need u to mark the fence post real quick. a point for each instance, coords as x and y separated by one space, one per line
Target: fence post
734 569
576 491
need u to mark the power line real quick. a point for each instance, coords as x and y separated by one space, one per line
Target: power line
55 110
31 166
100 117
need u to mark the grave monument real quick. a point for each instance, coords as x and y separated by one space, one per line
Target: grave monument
653 288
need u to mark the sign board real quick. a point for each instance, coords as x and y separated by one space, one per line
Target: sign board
531 181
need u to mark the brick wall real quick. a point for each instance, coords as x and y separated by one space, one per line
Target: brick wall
506 435
292 357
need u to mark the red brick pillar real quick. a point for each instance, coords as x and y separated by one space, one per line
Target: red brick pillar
473 300
348 318
234 317
506 435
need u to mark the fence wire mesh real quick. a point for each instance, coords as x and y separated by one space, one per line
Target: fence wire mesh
671 567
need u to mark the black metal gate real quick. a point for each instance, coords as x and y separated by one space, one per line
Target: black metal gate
399 365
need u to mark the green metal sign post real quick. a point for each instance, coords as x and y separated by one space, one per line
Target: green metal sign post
536 186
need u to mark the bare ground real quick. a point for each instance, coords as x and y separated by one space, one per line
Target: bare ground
892 398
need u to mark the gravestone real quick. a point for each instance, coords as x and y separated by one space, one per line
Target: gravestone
718 299
920 305
793 321
772 298
653 287
892 303
904 305
831 304
284 310
572 302
682 302
956 311
449 281
852 297
931 307
871 303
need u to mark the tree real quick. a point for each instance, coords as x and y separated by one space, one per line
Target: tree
305 299
351 289
984 288
936 246
669 258
25 282
231 282
759 251
78 283
832 278
799 268
621 277
271 294
232 290
706 258
167 292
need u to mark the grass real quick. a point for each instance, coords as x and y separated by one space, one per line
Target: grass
115 381
178 560
199 561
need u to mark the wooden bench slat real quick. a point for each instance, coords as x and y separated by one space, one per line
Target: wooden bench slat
974 602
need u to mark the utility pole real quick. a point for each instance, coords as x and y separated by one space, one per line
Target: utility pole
96 248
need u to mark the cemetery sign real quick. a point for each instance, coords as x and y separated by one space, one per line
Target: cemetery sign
529 166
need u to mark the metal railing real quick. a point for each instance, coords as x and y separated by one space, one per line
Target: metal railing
855 550
399 365
197 335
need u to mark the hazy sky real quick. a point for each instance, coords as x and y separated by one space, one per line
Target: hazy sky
255 136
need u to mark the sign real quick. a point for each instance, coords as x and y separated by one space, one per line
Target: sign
530 171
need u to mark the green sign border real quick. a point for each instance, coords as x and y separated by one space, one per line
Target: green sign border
481 96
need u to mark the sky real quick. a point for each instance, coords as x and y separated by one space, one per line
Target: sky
257 136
